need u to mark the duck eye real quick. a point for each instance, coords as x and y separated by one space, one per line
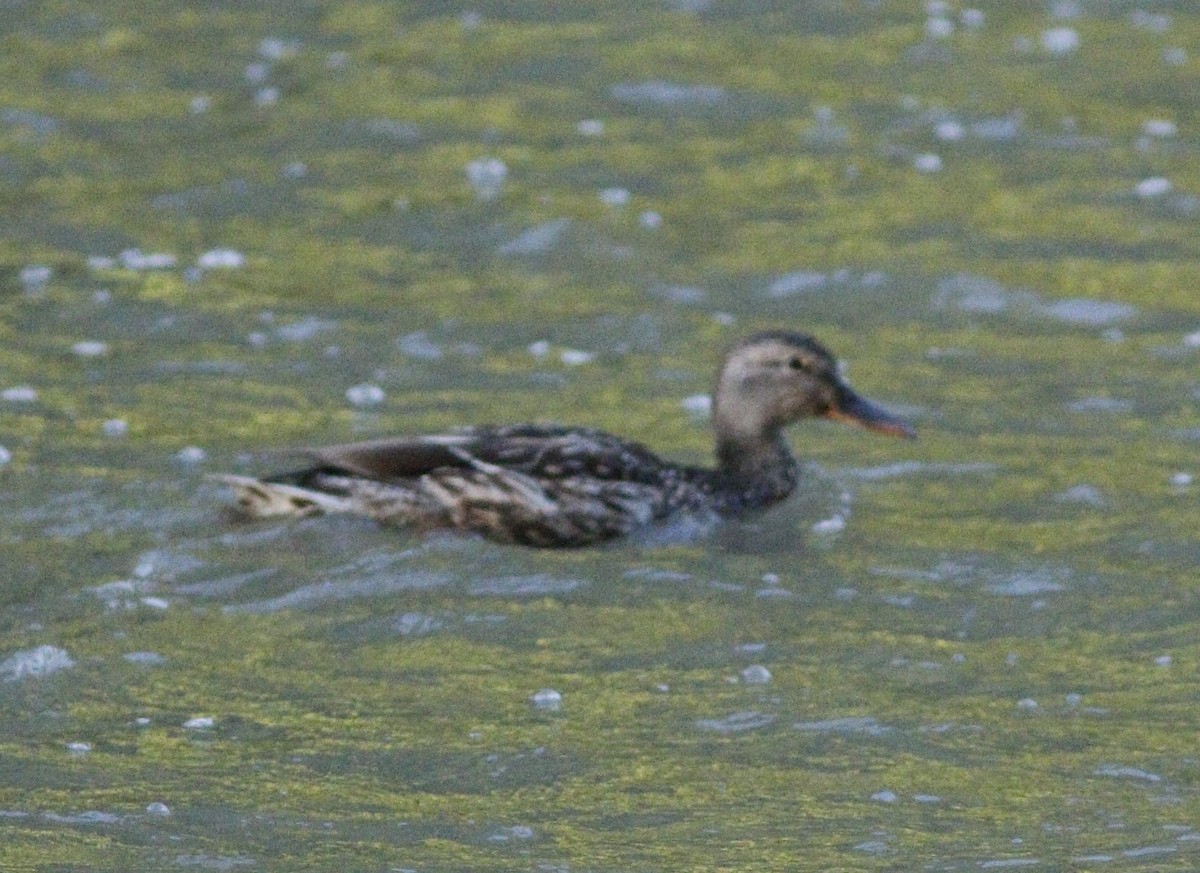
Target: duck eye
796 364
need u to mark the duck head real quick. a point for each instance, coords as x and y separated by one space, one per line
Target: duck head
772 379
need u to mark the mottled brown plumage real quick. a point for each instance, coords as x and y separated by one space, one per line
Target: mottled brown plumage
548 485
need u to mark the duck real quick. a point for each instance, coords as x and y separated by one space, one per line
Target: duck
555 486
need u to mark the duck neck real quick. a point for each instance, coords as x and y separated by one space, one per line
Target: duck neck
754 470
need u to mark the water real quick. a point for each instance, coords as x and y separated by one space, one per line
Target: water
233 232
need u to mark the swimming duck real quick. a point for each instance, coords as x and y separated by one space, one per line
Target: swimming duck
555 486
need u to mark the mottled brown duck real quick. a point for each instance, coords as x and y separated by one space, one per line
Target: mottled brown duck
556 486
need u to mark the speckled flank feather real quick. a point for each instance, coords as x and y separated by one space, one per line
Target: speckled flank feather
554 490
547 485
258 499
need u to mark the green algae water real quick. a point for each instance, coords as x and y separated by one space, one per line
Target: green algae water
235 228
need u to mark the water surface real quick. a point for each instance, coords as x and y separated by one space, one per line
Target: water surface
234 229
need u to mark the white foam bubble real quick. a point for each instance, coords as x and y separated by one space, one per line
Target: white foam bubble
418 345
275 49
35 277
615 196
972 18
939 27
1155 186
756 674
1060 40
365 395
949 131
1087 495
546 698
304 329
191 455
1025 584
1089 313
257 72
19 394
1175 56
136 259
576 357
1159 127
927 163
486 177
796 283
90 349
826 526
34 663
221 259
698 404
145 659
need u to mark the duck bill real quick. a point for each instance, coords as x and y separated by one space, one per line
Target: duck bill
853 409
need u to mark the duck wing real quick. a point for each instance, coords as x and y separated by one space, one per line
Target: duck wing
539 451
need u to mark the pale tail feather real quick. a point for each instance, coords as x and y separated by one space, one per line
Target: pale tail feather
258 499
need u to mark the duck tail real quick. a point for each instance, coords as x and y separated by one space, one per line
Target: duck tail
256 498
